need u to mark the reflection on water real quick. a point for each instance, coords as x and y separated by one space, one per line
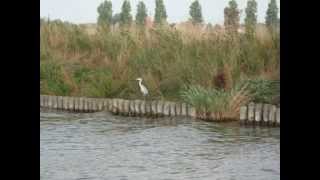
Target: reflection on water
101 146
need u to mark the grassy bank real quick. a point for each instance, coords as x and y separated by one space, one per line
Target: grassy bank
171 62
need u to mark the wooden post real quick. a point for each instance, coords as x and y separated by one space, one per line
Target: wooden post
45 101
41 102
50 104
88 102
172 109
100 105
250 113
266 109
160 109
178 109
148 108
71 104
154 108
272 115
166 109
243 114
131 108
192 111
120 106
278 117
187 109
54 102
106 104
76 104
143 108
66 107
183 109
60 102
85 105
137 107
115 106
65 103
258 113
43 97
80 108
96 105
126 106
91 104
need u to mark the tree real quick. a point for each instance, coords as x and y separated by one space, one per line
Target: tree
125 16
272 15
116 18
195 12
105 13
160 15
141 14
232 17
251 17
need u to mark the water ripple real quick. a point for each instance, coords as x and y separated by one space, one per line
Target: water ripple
101 146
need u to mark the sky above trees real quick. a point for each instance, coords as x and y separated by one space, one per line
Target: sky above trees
85 11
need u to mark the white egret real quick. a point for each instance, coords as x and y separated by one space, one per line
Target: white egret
143 89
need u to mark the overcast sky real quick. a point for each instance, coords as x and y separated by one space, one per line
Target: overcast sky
85 11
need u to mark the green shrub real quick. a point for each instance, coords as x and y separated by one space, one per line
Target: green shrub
206 100
51 76
264 91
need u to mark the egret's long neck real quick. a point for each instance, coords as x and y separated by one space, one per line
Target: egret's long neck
140 84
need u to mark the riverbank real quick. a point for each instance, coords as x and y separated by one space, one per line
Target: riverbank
198 66
258 114
75 63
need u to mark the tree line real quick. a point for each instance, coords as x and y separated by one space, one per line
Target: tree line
231 14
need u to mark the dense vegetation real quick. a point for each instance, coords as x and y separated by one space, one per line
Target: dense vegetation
211 69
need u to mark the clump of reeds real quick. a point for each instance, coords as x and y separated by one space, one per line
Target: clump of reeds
216 104
221 104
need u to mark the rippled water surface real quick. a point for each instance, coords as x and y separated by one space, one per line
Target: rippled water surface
101 146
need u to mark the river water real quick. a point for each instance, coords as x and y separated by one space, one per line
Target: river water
101 146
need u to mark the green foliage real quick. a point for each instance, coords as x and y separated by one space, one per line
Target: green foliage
125 16
78 40
105 13
227 103
160 16
94 83
103 64
52 80
141 14
251 18
116 18
198 97
264 91
232 17
206 100
272 15
195 12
